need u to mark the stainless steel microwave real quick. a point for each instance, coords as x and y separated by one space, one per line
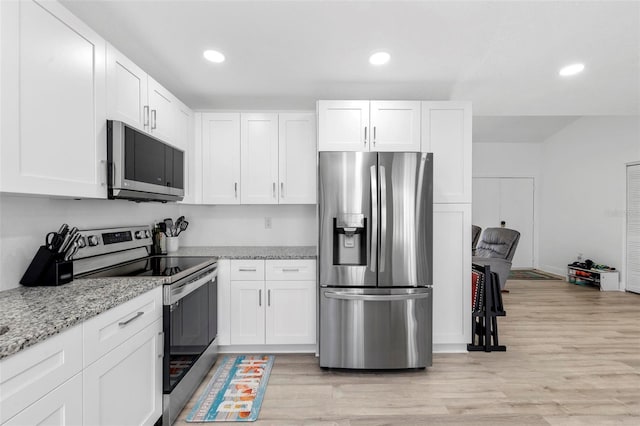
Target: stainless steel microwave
142 167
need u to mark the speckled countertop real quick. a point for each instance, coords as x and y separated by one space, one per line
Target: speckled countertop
253 252
32 314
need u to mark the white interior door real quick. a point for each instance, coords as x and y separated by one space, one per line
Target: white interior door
508 200
633 228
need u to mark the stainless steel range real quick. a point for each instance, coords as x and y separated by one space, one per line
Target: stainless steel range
189 298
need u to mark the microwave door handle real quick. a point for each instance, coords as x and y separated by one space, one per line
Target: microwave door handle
374 218
383 217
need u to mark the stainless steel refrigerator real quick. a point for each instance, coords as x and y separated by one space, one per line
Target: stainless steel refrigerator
375 259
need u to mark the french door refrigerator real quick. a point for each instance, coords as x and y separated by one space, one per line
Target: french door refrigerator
375 259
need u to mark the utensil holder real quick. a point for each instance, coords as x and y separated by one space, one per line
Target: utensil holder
48 268
172 244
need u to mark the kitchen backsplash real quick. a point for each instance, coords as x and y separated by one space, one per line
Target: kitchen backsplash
25 220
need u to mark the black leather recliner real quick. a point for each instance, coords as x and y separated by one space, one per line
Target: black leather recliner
496 249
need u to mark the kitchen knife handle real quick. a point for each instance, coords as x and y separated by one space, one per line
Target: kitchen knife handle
374 218
153 119
383 217
145 119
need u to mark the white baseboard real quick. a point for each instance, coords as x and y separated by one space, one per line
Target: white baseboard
449 348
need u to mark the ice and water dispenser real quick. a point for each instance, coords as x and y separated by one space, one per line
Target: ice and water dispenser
350 239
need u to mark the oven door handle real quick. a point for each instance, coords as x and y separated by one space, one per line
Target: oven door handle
174 293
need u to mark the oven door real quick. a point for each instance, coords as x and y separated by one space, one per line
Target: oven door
190 325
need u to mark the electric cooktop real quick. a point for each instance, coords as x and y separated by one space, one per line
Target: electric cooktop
156 266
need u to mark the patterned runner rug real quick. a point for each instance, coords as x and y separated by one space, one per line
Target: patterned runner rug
531 274
236 390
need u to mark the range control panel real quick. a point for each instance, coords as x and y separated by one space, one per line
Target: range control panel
109 240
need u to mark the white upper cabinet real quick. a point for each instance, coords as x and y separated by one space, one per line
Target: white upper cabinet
297 158
395 126
259 158
446 132
343 125
221 158
127 98
185 140
140 101
369 126
53 106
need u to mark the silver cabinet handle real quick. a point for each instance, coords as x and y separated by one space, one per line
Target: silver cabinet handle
161 351
290 270
259 297
269 297
235 189
365 135
374 135
135 317
281 189
103 181
145 118
247 269
374 219
375 297
274 190
383 217
153 119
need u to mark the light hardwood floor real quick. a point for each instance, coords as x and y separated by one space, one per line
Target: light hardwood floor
573 358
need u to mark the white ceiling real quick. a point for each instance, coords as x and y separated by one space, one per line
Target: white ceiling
504 56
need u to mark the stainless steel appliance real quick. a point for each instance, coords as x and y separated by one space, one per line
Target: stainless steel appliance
375 257
141 167
189 299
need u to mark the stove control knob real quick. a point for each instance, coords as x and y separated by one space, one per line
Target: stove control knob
82 242
139 235
147 234
92 240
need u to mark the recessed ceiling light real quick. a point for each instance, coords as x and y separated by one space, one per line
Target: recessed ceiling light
572 69
379 58
213 56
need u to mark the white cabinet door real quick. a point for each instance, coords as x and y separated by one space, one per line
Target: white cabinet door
297 158
53 107
451 277
395 126
343 126
221 158
161 112
291 312
247 312
126 91
184 140
124 387
259 158
446 131
62 406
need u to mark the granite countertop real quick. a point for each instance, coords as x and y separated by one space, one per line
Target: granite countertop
251 252
32 314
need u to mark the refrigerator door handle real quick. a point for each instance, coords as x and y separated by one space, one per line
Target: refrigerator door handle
374 218
375 297
383 218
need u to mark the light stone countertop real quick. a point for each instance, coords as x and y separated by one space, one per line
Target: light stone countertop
34 314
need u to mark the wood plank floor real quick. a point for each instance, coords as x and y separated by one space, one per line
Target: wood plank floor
573 358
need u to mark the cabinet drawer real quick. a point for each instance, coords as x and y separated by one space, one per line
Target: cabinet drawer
247 270
111 328
291 270
32 373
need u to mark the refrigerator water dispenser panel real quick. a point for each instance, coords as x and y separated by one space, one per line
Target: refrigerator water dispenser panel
350 239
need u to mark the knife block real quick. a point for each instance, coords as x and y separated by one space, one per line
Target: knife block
48 268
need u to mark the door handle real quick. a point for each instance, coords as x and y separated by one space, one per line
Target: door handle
383 217
281 189
274 190
235 189
375 297
259 297
374 135
145 118
365 135
135 317
103 181
374 219
269 297
153 119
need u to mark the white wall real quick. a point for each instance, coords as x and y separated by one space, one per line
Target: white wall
583 191
291 225
25 220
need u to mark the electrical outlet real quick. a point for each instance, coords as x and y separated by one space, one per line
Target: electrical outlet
267 223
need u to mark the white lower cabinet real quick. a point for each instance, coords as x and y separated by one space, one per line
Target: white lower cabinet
272 302
124 387
62 406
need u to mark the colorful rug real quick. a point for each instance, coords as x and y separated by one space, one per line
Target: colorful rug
531 274
236 390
